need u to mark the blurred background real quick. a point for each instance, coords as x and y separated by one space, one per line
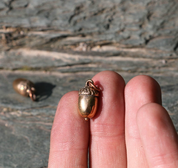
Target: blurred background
59 44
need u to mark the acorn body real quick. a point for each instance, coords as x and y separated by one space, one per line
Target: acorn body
88 100
24 87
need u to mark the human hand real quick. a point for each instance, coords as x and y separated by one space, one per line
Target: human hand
130 129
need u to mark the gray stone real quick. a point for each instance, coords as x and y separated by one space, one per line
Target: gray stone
23 145
147 20
19 59
164 43
19 4
2 5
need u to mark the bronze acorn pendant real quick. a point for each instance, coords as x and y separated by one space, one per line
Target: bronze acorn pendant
88 100
25 88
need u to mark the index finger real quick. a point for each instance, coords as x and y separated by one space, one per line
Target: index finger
69 135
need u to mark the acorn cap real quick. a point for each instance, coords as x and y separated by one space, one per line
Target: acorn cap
88 91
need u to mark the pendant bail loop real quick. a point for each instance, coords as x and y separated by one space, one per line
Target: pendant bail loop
90 83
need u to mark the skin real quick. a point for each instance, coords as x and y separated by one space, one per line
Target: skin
130 130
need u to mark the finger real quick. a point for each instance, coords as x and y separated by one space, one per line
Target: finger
69 135
158 136
107 147
139 91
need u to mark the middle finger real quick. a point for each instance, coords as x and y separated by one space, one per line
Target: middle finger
107 147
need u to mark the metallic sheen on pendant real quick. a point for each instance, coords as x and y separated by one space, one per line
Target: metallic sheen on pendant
88 100
25 88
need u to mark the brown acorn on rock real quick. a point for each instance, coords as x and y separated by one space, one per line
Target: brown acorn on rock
25 88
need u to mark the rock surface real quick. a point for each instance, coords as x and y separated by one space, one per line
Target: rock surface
60 44
149 23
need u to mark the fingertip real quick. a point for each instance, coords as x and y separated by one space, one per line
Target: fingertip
153 115
67 112
67 100
108 77
158 135
145 78
112 89
144 86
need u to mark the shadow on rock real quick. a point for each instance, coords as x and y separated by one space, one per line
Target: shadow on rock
43 90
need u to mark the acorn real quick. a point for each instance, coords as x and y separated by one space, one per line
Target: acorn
88 100
25 88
